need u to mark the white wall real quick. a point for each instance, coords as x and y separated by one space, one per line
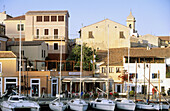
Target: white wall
154 69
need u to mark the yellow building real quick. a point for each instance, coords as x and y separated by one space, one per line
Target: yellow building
106 33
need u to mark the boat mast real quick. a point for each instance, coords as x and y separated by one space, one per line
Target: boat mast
128 65
159 87
149 82
20 61
81 68
144 80
60 68
108 64
136 82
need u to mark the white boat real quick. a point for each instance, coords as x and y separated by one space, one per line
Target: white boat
125 104
55 105
16 102
103 104
145 106
77 105
160 106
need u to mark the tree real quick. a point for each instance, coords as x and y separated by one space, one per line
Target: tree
87 56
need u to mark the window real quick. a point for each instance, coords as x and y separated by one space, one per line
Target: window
42 54
38 33
132 75
55 46
121 35
130 25
91 34
53 18
103 69
39 18
154 75
55 33
60 18
111 69
45 31
118 70
22 52
22 27
46 19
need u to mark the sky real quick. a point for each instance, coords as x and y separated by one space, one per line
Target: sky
152 16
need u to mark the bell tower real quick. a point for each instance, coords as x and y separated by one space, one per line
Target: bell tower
131 21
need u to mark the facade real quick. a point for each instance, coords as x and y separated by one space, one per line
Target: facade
48 26
51 27
97 36
3 38
32 50
147 40
155 58
12 26
8 68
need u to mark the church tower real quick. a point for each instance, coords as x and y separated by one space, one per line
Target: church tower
131 22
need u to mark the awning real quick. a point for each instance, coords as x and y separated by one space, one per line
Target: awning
87 80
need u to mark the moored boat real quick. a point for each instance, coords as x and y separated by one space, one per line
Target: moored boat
125 104
77 105
144 106
103 104
55 105
16 102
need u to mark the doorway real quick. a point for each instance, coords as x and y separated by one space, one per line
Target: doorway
54 86
35 88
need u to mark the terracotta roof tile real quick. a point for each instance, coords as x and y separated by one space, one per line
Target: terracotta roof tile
164 38
22 17
117 54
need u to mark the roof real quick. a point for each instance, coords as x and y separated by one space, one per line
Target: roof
164 38
22 17
7 54
48 12
130 17
116 55
24 43
103 21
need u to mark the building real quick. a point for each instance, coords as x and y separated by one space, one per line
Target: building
147 40
155 58
4 16
164 41
98 34
32 50
48 26
3 38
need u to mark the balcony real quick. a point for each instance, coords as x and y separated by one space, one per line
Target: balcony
48 37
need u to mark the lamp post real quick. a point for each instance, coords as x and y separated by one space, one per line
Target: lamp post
28 68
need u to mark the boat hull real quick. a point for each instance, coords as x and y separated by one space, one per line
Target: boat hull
78 107
101 106
161 107
55 107
126 106
145 106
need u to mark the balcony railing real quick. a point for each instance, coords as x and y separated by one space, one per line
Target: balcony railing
48 37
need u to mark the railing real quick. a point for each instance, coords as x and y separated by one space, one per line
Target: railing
48 37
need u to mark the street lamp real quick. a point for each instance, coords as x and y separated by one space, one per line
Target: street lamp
28 68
